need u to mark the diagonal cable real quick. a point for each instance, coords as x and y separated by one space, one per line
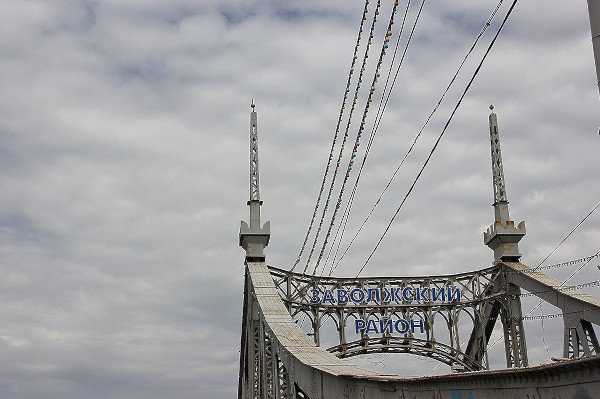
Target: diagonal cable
337 129
362 69
483 30
440 136
342 226
360 129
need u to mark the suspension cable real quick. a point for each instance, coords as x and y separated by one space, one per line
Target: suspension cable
527 316
440 136
337 129
588 260
481 33
360 129
346 132
342 226
567 236
561 287
567 263
539 266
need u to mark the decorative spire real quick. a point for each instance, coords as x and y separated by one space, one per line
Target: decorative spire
502 237
497 169
254 188
253 238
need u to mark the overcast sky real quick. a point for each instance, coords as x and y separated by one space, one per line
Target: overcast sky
124 171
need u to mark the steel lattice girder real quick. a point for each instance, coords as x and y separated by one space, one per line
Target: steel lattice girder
478 289
310 372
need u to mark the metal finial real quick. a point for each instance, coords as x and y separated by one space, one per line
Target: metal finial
491 107
252 104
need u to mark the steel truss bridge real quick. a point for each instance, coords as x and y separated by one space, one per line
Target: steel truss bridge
278 359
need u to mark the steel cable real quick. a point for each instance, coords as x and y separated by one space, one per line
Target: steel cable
346 132
337 129
342 226
440 135
483 30
378 117
358 136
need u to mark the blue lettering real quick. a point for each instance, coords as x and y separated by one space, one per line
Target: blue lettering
436 293
315 296
453 293
413 324
328 297
361 296
342 297
406 297
388 296
402 330
373 292
422 294
397 295
371 326
359 324
386 325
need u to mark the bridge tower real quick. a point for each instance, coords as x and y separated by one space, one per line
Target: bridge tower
503 238
253 238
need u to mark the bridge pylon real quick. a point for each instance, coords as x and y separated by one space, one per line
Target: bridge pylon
253 237
503 238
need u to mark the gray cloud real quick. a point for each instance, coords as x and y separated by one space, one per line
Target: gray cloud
124 172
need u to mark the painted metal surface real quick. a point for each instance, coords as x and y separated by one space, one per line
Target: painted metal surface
254 238
502 236
254 180
476 289
298 368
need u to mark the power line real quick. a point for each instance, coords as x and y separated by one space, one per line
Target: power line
567 236
564 264
378 120
346 132
565 239
556 289
561 288
554 316
527 316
